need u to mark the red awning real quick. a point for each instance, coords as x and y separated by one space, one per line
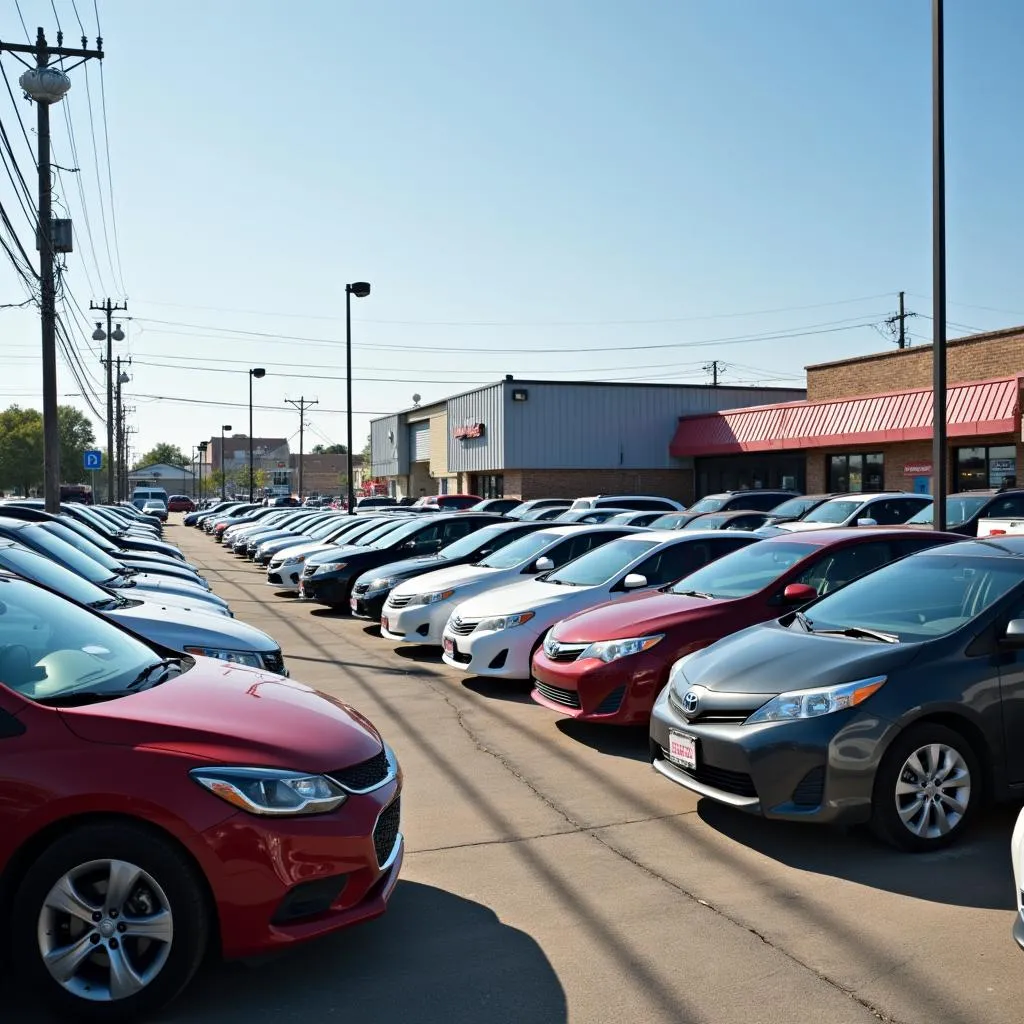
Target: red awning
982 407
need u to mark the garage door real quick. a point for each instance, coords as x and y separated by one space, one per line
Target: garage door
419 441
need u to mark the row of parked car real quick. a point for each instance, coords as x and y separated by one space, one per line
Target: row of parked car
158 773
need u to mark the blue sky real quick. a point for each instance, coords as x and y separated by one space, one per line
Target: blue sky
549 188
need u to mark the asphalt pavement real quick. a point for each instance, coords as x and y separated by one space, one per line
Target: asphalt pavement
550 876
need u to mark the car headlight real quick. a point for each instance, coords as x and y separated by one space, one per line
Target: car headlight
248 658
796 704
500 622
439 595
612 650
271 791
294 560
330 567
383 583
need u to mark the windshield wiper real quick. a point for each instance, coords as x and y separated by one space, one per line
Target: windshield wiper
106 603
144 675
861 633
695 593
72 700
804 621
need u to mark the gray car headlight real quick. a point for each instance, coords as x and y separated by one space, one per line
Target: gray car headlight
294 560
248 658
796 704
500 622
383 583
612 650
330 567
271 792
435 598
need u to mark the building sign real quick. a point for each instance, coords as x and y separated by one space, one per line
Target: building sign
468 430
917 469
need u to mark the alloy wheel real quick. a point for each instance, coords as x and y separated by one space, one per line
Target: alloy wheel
933 790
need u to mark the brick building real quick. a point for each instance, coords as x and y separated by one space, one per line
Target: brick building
325 475
866 424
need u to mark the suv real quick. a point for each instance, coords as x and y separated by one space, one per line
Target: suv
630 502
963 510
886 509
754 499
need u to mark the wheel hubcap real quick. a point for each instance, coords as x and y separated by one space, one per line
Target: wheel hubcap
933 790
105 930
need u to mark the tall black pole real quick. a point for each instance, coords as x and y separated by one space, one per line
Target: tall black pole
223 471
348 402
110 406
250 436
938 270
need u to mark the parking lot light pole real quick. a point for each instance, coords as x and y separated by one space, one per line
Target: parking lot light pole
258 372
360 289
223 471
938 270
202 446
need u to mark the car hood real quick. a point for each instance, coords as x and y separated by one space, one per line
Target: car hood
339 552
229 714
190 602
409 568
527 595
802 527
639 615
770 658
156 584
153 545
263 537
179 628
300 548
443 579
274 546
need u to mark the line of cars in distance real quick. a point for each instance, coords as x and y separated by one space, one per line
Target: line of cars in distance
166 792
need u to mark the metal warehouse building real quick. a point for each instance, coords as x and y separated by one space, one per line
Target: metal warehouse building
528 438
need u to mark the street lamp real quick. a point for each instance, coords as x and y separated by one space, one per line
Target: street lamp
258 372
360 289
109 336
223 471
202 446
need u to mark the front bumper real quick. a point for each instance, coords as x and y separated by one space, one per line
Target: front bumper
327 589
369 606
284 577
812 770
615 693
504 654
416 623
281 881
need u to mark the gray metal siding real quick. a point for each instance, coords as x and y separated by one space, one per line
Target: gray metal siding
419 441
389 446
560 426
477 454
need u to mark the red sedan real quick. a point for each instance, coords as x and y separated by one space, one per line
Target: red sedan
154 807
609 664
180 503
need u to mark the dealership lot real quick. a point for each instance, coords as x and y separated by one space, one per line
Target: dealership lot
550 875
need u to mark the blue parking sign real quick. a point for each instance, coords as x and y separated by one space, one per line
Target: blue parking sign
92 460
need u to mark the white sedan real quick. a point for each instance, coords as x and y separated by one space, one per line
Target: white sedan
416 611
1017 857
496 633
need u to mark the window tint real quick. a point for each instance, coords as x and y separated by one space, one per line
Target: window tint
673 563
705 522
602 563
888 512
794 507
1010 506
837 568
522 550
832 512
746 571
454 529
760 502
64 553
487 538
707 505
668 522
41 569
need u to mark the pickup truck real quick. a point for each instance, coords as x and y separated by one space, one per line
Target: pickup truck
1000 527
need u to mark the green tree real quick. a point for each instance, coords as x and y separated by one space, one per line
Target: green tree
329 449
167 454
367 454
76 438
21 449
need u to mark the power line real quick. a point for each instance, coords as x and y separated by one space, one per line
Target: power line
245 405
99 186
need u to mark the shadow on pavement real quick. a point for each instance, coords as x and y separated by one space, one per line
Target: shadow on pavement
515 690
372 630
630 741
975 872
420 653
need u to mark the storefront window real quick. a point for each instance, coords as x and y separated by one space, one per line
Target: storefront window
978 468
856 473
489 486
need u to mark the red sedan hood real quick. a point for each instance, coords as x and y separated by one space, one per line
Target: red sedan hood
232 715
638 615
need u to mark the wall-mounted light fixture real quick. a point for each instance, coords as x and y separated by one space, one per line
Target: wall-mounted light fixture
520 394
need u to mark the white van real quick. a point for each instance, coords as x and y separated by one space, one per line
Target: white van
143 494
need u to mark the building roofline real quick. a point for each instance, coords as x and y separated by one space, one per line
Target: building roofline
1003 332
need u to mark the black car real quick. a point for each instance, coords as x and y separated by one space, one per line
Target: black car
371 589
500 506
329 576
739 520
524 508
193 518
963 510
903 701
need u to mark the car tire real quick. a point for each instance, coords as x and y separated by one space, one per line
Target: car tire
162 893
927 788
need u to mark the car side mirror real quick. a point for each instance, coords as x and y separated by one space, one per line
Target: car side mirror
1013 638
634 581
867 521
799 593
543 565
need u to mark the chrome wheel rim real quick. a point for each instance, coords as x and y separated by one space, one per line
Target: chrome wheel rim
105 930
933 790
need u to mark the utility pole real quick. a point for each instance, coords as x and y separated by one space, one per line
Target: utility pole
938 267
45 85
122 378
714 367
898 324
110 337
302 405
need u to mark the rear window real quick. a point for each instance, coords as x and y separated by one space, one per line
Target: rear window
709 504
832 512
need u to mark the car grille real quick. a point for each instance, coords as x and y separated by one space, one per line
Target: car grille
398 602
728 781
811 789
612 702
556 651
710 714
385 832
462 627
364 775
274 661
568 698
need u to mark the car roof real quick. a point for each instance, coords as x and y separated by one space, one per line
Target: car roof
733 513
1001 546
825 538
754 490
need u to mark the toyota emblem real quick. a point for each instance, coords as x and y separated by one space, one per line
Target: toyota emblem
690 702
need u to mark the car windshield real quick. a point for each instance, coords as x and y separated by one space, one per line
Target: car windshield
746 571
85 546
40 569
917 598
397 534
157 505
706 505
832 512
488 537
705 522
51 650
87 533
42 539
958 510
669 522
601 564
794 508
382 529
519 551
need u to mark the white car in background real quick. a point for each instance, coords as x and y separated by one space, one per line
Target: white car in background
496 633
416 611
883 509
1017 858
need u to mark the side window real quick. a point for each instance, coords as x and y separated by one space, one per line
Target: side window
837 568
456 528
1012 506
428 537
674 563
886 513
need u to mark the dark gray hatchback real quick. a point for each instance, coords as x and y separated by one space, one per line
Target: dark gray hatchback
898 700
